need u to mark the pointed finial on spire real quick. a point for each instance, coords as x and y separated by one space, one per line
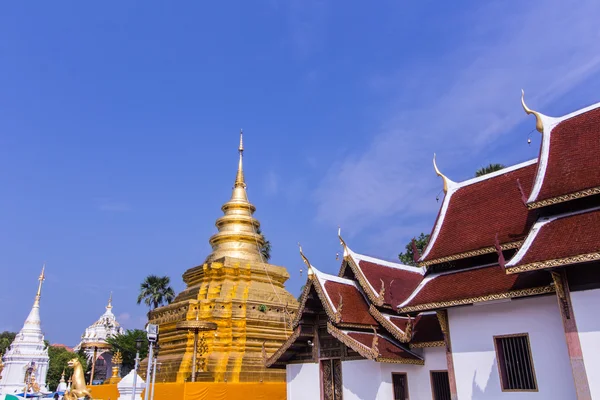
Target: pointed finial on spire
42 278
309 270
447 182
239 179
342 242
109 306
539 124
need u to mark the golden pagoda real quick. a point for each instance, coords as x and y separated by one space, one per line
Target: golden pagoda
236 289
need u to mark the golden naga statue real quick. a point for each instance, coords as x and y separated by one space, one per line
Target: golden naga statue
78 388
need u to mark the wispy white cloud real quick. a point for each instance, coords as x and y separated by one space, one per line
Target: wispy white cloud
458 105
124 318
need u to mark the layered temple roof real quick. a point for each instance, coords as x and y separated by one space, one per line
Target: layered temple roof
495 237
353 319
568 157
385 283
477 210
560 240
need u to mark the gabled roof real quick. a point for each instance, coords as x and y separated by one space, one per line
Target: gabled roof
385 283
474 285
342 299
427 331
477 210
375 346
564 239
568 157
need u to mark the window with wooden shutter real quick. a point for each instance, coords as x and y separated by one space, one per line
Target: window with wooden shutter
400 384
515 363
440 385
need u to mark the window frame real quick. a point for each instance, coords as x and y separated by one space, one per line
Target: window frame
499 362
431 372
406 391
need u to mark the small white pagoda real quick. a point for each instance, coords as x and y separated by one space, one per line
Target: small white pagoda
26 360
93 342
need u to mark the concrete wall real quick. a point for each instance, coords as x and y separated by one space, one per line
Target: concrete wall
472 330
303 381
585 307
419 377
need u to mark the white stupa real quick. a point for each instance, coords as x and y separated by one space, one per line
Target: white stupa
26 360
93 341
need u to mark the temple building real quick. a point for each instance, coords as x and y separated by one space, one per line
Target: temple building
26 360
94 344
235 291
511 274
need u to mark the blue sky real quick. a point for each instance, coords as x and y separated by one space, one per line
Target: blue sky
119 125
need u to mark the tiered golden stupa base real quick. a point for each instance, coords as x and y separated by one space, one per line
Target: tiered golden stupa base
251 308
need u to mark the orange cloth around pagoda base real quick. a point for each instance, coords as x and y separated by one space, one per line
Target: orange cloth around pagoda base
203 391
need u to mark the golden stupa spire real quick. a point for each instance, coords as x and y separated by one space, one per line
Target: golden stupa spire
109 306
38 295
237 235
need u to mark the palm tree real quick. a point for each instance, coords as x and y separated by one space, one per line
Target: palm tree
155 291
488 169
265 249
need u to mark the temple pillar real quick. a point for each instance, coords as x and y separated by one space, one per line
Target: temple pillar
563 295
445 326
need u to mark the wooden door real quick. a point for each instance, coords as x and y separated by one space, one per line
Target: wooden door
331 385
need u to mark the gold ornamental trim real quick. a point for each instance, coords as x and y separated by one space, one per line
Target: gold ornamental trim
564 198
323 297
374 297
357 326
498 296
422 345
559 262
302 305
284 347
473 253
413 361
402 336
360 348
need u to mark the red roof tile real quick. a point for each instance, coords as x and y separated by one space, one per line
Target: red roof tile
572 157
560 237
399 283
478 209
355 309
469 284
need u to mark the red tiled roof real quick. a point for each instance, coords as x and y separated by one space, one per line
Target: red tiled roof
387 349
560 237
478 209
398 283
62 346
355 309
572 158
473 284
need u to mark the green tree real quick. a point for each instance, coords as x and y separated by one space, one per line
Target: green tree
156 291
59 358
407 257
265 249
6 338
488 169
126 344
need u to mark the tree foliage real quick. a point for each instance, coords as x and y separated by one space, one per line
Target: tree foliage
126 344
59 358
407 257
265 249
6 338
156 291
488 169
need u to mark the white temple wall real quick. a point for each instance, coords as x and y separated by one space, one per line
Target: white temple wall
418 376
303 381
361 380
472 329
585 307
